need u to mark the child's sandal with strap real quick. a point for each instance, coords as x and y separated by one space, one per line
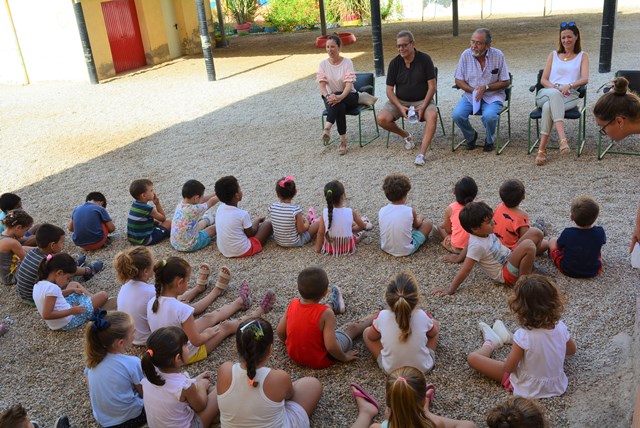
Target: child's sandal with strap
203 275
224 275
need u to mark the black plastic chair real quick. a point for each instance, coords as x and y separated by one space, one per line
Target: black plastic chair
633 76
506 108
435 99
364 83
577 112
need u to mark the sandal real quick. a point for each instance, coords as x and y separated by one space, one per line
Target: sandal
564 147
224 275
203 275
342 148
431 393
326 136
245 294
360 392
541 158
312 215
268 301
367 224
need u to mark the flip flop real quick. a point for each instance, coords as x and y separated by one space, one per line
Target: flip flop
203 275
360 392
224 274
431 393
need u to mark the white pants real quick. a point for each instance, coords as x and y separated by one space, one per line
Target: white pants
554 104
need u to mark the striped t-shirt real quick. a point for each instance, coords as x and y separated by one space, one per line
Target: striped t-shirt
283 219
27 274
139 223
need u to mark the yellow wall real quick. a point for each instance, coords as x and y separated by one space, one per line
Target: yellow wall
154 37
98 38
188 26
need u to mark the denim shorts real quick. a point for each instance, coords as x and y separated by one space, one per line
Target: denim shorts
75 299
417 239
157 235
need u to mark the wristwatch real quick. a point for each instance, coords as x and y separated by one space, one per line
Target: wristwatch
486 87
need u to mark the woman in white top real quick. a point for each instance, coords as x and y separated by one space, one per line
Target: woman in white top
251 395
566 70
336 77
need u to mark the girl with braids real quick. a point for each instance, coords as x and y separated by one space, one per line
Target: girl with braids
517 412
340 227
113 377
408 399
63 305
171 397
251 395
16 224
207 332
403 335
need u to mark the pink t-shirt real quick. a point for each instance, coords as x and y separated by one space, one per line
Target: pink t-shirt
507 224
336 76
459 236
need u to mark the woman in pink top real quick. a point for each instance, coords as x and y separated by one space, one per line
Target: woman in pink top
336 77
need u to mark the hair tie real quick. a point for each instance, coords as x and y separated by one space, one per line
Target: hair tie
164 262
255 328
284 181
401 379
150 352
99 323
251 382
329 192
49 257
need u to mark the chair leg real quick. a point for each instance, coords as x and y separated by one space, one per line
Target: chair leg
441 122
500 149
535 144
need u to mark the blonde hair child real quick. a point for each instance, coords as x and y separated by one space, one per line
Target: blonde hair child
113 377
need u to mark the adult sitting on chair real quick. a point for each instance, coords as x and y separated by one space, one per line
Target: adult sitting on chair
482 73
566 69
413 77
336 76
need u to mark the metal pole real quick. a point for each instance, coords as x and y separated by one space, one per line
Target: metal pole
323 18
205 38
223 33
15 35
376 33
86 44
454 8
606 38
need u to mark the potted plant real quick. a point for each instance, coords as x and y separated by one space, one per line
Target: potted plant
243 12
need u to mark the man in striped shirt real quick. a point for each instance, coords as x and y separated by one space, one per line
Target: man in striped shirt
146 224
482 74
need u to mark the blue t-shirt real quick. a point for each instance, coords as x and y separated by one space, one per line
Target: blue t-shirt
2 216
114 398
581 251
87 224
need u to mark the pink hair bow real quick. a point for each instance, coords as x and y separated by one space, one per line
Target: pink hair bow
286 180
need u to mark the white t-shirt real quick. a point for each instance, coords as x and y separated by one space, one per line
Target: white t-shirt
396 225
413 352
540 373
490 254
114 398
44 289
132 299
230 225
171 313
162 403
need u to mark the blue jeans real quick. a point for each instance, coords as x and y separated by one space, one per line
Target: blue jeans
489 112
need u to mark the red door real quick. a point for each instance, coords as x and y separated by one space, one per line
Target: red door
121 20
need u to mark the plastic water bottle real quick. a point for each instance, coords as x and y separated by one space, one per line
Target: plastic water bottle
635 256
412 117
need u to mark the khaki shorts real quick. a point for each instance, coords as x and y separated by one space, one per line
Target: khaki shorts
397 114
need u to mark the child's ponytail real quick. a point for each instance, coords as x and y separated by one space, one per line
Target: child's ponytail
166 270
54 262
103 329
333 192
129 264
17 217
405 391
253 339
402 298
163 346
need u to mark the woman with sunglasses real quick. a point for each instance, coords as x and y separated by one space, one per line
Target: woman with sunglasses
617 113
567 69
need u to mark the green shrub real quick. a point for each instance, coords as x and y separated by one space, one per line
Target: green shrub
344 8
288 14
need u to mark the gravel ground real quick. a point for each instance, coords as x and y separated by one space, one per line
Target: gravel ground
260 121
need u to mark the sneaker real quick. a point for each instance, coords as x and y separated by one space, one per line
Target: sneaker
543 225
208 217
488 148
94 268
35 423
367 224
62 422
408 142
245 293
80 260
268 301
501 330
472 144
489 335
336 301
419 160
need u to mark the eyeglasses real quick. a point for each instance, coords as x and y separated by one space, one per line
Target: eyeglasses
603 129
403 45
567 24
255 328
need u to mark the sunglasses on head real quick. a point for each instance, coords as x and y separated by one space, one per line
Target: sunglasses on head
567 24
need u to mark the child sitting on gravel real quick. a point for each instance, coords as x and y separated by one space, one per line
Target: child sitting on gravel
340 227
191 228
16 224
290 228
50 240
236 235
112 375
403 335
512 222
146 224
577 252
16 417
402 230
91 223
454 237
535 365
499 262
172 279
308 328
10 202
